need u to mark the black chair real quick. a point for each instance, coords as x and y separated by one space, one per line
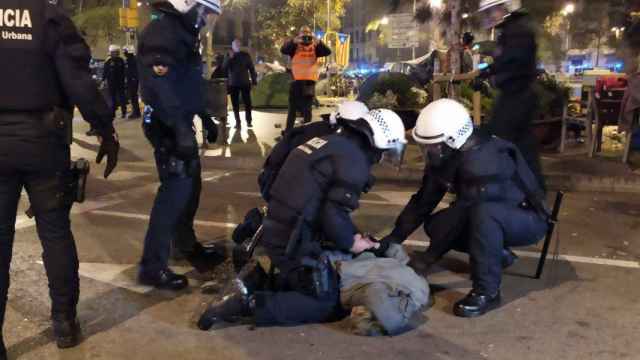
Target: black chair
553 220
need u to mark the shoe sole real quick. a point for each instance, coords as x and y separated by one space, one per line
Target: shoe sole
67 343
160 287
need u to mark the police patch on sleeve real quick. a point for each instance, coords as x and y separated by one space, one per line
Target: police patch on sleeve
317 143
19 24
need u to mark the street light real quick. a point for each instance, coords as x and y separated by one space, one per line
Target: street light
569 9
384 21
436 4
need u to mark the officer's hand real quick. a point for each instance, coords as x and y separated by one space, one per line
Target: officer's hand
212 134
109 147
361 244
186 144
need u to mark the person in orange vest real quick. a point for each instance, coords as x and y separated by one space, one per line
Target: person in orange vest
304 50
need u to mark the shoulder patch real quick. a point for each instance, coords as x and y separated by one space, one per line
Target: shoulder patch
317 143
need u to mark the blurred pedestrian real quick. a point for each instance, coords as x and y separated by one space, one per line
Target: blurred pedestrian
114 75
133 82
242 75
304 50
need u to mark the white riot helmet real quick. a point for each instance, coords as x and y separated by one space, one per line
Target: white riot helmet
443 121
349 110
511 5
184 6
114 48
388 133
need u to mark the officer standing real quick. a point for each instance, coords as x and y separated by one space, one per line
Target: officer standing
304 51
316 190
133 83
499 202
35 119
514 70
171 78
114 74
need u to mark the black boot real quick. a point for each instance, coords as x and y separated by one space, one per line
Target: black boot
508 258
164 279
231 309
205 258
476 304
66 330
238 300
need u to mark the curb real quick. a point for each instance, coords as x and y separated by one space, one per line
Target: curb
555 181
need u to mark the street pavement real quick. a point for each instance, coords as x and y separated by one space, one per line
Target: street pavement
584 307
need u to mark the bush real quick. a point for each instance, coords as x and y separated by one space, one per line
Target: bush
272 91
393 90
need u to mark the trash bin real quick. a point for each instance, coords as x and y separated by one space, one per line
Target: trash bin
217 99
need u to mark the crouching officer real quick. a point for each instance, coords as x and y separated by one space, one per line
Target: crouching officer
171 79
311 200
44 69
499 202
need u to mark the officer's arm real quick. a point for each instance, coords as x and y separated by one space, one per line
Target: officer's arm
72 55
289 48
419 208
336 217
322 50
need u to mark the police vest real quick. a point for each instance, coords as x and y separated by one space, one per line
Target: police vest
304 64
28 77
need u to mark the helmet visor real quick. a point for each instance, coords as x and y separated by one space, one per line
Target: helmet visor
395 155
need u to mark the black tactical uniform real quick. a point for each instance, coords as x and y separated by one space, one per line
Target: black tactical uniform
280 152
514 69
133 85
311 200
499 204
173 100
114 74
44 68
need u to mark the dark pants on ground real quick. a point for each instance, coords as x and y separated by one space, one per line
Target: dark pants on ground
35 165
299 102
295 302
512 119
132 94
235 93
487 228
173 212
118 99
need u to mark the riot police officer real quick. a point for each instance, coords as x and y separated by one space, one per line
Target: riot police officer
171 79
514 70
346 111
318 187
114 75
36 108
132 82
499 202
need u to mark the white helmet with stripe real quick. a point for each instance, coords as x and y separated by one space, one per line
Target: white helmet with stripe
511 5
443 121
184 6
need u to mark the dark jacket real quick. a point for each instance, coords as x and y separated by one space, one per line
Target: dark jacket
486 172
514 65
320 184
132 70
176 97
289 48
114 72
239 67
296 137
63 78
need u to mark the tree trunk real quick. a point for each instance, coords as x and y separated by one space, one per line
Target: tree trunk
453 35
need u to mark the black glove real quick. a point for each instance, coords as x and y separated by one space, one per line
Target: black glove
109 147
212 130
186 144
477 84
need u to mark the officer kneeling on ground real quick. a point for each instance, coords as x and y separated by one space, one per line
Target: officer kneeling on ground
499 202
311 200
171 75
44 69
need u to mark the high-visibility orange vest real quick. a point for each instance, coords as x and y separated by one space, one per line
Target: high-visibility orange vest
304 64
